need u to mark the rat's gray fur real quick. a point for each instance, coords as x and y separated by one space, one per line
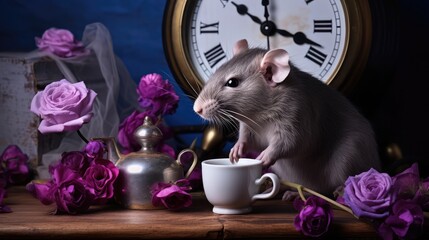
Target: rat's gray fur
310 133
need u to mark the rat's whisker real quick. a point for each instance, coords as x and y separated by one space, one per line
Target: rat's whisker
243 116
230 121
250 127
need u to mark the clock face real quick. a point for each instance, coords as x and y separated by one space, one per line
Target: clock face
329 39
315 33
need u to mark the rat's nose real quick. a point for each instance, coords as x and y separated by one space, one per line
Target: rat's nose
198 109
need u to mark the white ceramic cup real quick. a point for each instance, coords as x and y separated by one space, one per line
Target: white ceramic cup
232 188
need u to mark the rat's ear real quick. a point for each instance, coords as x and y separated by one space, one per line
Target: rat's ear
275 65
240 46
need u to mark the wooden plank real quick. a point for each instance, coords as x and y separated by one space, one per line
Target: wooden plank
274 219
31 220
270 219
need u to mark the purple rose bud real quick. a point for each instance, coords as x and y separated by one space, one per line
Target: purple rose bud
63 106
157 95
405 221
100 178
14 165
94 149
369 194
314 217
60 42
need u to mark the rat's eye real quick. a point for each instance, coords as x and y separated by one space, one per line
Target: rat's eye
232 82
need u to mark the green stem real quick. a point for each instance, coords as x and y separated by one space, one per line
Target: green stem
301 188
81 136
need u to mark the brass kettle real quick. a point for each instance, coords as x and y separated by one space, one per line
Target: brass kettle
139 171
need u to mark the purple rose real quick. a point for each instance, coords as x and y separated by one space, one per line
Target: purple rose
69 191
126 134
157 95
171 196
406 221
66 189
100 178
74 160
63 106
314 217
94 149
369 194
406 183
14 165
60 42
126 131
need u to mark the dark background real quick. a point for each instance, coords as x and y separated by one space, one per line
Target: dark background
393 93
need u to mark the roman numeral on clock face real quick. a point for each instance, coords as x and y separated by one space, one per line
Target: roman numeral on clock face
323 26
315 56
215 55
209 27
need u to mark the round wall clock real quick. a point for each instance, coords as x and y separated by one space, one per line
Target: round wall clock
330 39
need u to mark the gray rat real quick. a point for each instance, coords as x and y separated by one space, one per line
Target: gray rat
308 132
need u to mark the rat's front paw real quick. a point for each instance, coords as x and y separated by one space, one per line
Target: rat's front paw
266 158
237 151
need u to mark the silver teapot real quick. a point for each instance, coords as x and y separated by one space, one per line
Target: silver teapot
139 171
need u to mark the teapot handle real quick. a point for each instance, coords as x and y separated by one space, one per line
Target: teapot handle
194 161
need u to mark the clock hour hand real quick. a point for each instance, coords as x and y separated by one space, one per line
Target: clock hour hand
242 10
299 37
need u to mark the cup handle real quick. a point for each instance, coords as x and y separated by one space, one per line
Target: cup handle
194 162
274 190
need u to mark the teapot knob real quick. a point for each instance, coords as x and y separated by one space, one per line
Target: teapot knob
148 135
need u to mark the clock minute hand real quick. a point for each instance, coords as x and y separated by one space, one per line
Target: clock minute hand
265 4
299 37
242 10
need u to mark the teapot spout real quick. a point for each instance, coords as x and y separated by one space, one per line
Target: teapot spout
113 153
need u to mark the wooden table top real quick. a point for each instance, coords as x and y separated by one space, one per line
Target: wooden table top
270 219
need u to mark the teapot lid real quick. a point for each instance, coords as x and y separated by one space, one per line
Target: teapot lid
148 135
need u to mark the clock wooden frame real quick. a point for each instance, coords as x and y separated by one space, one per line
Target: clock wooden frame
358 40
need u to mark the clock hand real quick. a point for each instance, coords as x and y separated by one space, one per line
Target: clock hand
265 3
268 28
299 37
242 10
